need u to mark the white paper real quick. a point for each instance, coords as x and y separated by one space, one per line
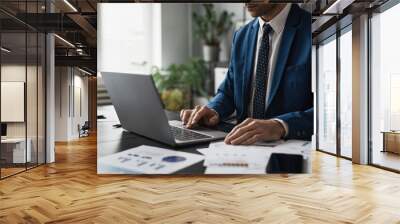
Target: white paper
297 147
149 160
232 170
237 155
228 159
290 147
221 158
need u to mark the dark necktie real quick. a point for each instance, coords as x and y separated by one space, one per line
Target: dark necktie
261 78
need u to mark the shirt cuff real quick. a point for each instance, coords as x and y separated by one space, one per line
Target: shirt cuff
284 125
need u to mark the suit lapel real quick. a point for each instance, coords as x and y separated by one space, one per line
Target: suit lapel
249 62
284 51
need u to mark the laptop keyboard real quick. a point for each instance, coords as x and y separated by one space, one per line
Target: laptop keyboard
182 134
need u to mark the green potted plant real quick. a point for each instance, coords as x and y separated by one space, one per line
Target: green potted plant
180 84
210 27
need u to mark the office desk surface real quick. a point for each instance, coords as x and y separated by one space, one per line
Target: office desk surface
111 140
12 140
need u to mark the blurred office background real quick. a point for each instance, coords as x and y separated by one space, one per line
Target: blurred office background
48 63
165 40
178 43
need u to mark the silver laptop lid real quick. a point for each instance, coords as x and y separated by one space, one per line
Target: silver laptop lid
138 105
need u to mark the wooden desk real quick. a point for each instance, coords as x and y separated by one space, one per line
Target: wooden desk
111 140
391 141
14 152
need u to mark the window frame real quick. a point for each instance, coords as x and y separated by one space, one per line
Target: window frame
345 25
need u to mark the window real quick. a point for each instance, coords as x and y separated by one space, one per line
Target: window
334 94
327 95
125 46
385 88
346 92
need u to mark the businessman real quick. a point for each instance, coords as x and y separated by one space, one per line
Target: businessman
268 83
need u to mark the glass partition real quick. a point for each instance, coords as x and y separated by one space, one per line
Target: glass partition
22 78
14 153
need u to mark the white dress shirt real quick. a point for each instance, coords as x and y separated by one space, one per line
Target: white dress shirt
277 24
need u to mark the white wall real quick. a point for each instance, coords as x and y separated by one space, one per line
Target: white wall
80 83
157 34
175 33
61 103
69 82
16 73
34 124
13 101
125 32
132 38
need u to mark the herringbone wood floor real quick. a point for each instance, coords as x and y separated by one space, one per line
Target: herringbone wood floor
70 191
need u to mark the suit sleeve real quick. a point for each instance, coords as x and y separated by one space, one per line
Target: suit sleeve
301 124
223 102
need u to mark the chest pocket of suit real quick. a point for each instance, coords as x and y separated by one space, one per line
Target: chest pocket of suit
296 77
296 86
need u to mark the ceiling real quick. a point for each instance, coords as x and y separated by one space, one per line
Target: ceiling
72 20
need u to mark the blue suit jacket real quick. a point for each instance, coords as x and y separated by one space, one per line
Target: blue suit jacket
291 98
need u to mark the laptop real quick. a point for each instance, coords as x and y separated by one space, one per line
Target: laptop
140 110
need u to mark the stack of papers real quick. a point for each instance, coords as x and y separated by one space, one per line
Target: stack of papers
148 160
221 158
297 147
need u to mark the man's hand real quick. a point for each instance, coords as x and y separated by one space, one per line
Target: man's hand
200 114
251 131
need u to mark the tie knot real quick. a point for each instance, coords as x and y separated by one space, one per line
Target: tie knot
267 28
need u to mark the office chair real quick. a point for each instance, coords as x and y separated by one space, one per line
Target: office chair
84 130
